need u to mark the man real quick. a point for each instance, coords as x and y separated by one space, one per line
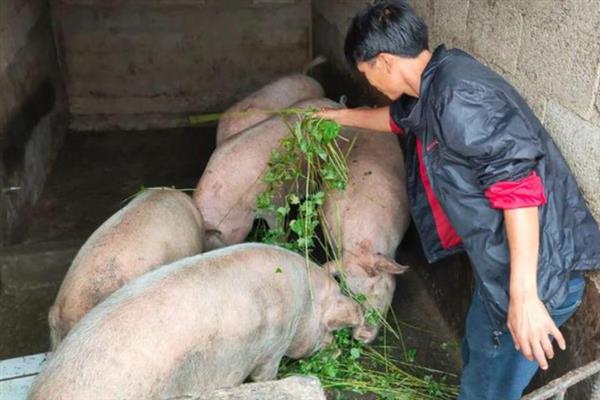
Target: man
483 176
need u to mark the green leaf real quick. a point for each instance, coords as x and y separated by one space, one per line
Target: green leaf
278 270
411 355
294 199
360 298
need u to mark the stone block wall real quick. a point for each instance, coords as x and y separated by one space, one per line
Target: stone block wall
32 109
143 64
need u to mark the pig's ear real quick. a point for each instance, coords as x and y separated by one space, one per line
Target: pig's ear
380 263
389 265
343 313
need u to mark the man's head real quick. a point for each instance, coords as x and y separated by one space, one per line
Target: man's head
388 43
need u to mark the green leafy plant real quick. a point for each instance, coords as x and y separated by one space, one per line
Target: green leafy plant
347 365
308 163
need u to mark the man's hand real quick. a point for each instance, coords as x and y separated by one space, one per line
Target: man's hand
376 119
333 114
531 326
528 320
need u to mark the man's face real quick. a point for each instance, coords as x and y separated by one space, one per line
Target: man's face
385 74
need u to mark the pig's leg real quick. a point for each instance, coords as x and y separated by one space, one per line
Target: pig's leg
267 371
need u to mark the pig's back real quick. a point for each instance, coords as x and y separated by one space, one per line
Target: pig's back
374 205
156 228
280 93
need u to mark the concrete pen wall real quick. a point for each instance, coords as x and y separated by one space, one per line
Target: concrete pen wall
150 64
32 109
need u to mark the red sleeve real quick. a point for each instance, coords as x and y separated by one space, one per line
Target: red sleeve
395 128
527 192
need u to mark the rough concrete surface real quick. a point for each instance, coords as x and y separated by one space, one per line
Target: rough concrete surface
139 59
499 42
449 22
424 9
292 388
596 111
579 142
560 51
41 264
17 18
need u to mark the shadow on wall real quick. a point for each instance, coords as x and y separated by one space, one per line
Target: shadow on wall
20 126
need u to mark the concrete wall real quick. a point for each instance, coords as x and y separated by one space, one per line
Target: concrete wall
141 64
550 51
31 109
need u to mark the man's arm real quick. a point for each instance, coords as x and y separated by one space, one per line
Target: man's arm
377 119
528 320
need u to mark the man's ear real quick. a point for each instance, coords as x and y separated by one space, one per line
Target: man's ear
385 61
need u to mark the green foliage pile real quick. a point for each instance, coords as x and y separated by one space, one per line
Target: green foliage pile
349 366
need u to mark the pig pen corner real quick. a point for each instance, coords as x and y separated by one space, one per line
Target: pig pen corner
95 106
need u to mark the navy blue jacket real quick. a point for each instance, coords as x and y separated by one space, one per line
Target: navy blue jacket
477 131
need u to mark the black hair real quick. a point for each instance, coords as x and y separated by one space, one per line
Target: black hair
387 26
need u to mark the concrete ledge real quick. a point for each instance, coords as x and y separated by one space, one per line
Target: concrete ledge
293 388
129 122
42 264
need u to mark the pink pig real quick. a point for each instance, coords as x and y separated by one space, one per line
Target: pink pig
157 227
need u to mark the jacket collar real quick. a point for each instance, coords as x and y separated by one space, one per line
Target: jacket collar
411 109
